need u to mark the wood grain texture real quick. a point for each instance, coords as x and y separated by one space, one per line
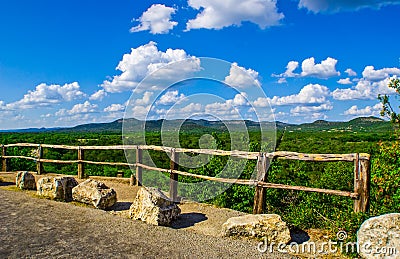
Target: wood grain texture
139 158
263 163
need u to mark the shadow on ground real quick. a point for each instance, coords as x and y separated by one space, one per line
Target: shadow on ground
188 220
120 206
299 236
6 183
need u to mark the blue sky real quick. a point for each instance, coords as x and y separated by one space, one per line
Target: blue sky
64 63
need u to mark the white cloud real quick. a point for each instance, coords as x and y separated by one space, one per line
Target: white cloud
140 112
311 112
366 111
333 6
181 112
282 80
345 81
161 112
240 99
11 119
262 102
85 107
157 20
350 72
75 119
326 69
217 14
18 117
115 108
171 97
309 94
145 100
62 112
271 115
227 109
290 68
314 116
242 77
319 115
80 108
146 59
47 95
276 116
98 96
373 83
302 110
371 74
2 106
48 115
224 110
364 89
192 108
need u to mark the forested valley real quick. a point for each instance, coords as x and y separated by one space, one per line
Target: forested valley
300 209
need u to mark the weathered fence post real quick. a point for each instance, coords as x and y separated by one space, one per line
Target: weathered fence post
81 167
139 159
39 165
132 180
173 183
4 167
361 184
259 196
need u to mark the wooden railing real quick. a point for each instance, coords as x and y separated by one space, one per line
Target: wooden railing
361 161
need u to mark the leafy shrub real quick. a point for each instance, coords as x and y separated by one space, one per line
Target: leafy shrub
385 179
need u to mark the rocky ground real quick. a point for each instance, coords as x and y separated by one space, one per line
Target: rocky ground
37 228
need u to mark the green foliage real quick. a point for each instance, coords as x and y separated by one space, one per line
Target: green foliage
387 108
22 164
300 209
385 179
237 197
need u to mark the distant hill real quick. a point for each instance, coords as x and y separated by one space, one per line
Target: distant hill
31 130
133 125
361 124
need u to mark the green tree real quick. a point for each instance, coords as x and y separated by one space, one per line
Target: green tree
387 108
385 176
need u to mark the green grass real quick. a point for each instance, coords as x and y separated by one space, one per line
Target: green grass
13 188
81 204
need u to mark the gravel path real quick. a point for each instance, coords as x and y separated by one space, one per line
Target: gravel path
40 228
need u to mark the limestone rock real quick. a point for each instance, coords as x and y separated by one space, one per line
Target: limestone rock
94 193
268 226
153 207
25 181
59 188
379 237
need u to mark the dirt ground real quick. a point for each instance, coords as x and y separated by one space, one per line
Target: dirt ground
198 217
202 220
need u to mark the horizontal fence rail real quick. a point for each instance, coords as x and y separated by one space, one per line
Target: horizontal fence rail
361 161
234 153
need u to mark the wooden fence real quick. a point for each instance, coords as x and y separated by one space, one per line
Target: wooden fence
361 161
